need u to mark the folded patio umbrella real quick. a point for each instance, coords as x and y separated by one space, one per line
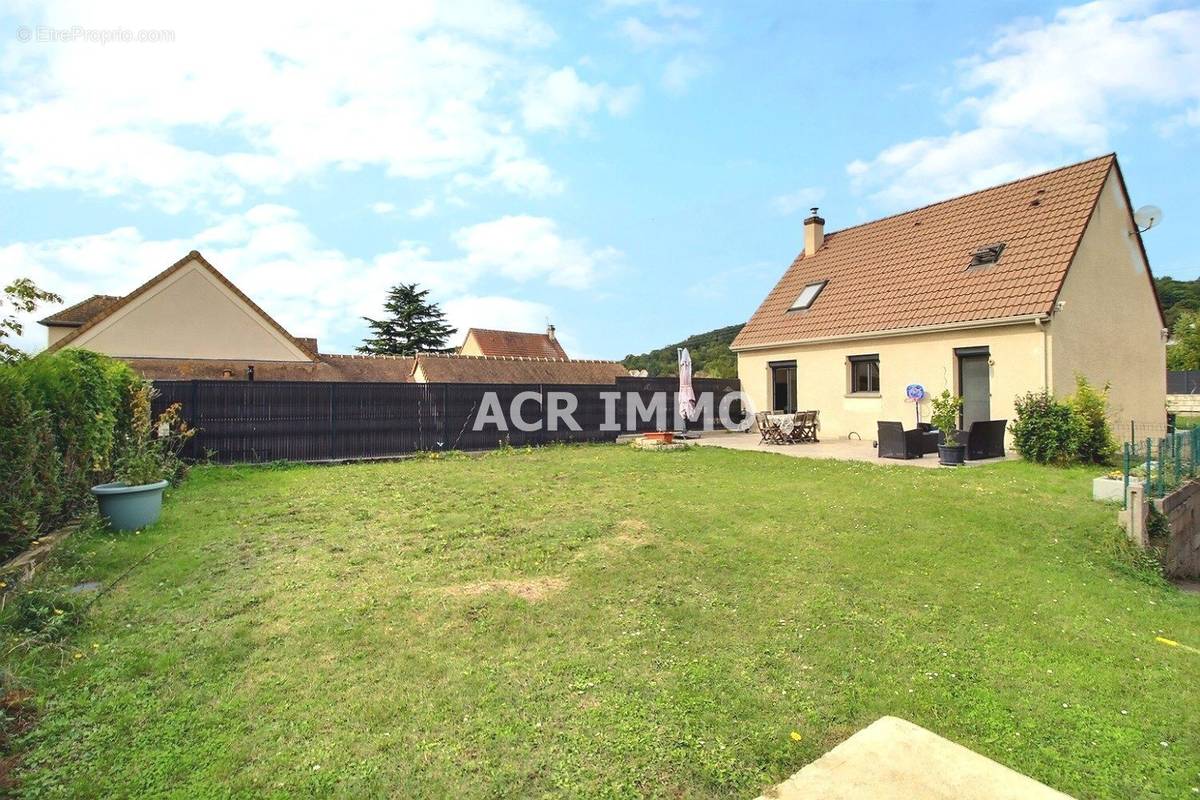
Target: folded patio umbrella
687 397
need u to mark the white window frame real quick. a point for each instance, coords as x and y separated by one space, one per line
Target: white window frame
817 287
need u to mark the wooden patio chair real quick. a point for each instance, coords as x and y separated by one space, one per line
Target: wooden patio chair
807 424
760 419
770 431
799 426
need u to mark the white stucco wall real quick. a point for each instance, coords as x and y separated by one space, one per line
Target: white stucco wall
1016 351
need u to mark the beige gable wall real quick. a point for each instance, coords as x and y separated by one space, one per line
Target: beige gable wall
1109 328
471 347
191 314
822 374
56 332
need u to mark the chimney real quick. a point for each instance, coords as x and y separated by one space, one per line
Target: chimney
814 234
550 332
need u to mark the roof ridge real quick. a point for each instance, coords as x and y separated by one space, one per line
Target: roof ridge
124 300
81 303
520 358
365 355
505 330
964 195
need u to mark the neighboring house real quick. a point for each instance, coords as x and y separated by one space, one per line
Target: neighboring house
484 342
1015 288
444 368
190 322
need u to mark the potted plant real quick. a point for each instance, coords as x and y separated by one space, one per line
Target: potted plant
145 462
946 408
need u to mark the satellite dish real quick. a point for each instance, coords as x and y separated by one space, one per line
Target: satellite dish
1147 217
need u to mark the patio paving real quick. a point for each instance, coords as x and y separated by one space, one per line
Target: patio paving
893 759
837 449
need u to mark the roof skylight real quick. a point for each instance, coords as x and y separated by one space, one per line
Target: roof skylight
807 295
988 254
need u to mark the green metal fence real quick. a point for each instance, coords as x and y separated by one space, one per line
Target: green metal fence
1162 464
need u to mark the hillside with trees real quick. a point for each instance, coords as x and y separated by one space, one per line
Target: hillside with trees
1181 306
711 356
1177 297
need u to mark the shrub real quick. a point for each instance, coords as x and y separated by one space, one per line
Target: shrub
19 500
150 453
946 408
1046 431
62 416
1090 405
84 397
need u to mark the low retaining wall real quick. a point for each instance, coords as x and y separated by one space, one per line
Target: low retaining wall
1181 557
1183 403
1182 509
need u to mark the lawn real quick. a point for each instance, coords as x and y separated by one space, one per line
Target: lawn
599 622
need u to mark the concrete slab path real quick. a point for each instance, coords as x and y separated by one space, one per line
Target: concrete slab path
892 759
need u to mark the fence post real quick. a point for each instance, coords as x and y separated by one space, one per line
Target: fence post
1162 477
1178 458
445 416
1148 482
1125 493
332 420
192 445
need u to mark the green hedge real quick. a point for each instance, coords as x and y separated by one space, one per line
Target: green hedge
60 415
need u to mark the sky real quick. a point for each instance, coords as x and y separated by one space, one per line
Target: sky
633 171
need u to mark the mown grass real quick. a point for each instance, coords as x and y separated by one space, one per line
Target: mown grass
670 619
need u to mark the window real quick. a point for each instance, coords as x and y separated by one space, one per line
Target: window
783 386
808 295
864 374
988 254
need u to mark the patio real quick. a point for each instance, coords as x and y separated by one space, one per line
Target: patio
835 449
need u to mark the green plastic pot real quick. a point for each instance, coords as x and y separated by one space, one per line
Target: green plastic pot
129 508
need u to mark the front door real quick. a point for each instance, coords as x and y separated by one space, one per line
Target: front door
975 386
783 386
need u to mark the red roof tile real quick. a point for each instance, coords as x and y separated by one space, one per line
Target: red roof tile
515 343
441 368
911 270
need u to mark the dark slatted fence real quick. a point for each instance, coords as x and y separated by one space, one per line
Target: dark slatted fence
1183 382
261 421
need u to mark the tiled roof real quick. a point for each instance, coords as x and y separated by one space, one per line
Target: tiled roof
911 270
355 368
439 368
121 302
515 343
81 312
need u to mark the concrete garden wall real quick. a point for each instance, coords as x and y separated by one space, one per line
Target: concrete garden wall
1182 510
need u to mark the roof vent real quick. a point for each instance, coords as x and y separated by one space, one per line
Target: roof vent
988 254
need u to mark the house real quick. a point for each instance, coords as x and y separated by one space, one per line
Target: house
484 342
990 295
190 322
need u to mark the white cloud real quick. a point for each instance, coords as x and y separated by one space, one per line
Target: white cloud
310 288
1045 93
424 90
681 70
802 199
500 313
644 36
383 208
523 247
423 209
561 99
665 8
